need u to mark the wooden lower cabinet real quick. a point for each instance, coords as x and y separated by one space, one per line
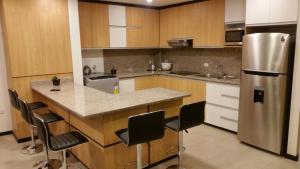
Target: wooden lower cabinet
116 155
196 88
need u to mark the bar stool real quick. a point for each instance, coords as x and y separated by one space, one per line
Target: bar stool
190 116
13 95
142 128
26 113
59 143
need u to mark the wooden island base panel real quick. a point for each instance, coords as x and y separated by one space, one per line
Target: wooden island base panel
104 150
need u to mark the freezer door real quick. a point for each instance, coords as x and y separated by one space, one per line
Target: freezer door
261 111
266 52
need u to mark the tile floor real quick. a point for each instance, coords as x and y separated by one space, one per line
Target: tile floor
206 148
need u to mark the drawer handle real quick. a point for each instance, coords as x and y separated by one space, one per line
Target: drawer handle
226 107
229 96
228 119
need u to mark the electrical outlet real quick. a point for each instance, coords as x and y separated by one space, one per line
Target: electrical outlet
205 64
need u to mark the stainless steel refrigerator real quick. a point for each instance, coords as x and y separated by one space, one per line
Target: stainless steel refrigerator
264 95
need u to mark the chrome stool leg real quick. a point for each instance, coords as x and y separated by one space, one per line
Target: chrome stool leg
181 148
139 156
49 163
33 148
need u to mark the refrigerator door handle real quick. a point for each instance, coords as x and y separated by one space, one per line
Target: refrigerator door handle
261 73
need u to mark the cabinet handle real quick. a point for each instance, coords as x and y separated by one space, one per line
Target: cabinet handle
127 27
226 107
228 119
229 96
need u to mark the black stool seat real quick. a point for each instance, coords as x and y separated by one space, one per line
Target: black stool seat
173 123
66 140
123 136
36 105
51 117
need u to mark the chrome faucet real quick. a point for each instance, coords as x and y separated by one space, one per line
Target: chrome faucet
221 70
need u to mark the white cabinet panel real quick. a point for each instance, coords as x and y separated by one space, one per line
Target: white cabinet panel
221 117
117 37
222 104
234 11
117 15
126 85
284 11
257 11
222 94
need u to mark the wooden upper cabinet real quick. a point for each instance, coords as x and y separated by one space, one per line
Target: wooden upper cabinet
202 21
142 27
36 37
94 25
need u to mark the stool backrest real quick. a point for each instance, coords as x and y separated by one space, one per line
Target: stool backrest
146 127
42 129
25 112
13 96
191 115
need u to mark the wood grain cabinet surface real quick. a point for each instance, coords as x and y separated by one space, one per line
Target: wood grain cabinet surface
142 27
202 21
36 36
196 88
94 26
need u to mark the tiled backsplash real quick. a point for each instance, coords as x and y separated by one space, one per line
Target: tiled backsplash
128 60
183 59
195 59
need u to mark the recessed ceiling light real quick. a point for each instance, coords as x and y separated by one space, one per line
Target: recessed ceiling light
149 1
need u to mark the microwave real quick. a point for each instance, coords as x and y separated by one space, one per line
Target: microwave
234 34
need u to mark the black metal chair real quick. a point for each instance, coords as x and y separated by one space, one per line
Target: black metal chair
142 128
190 116
57 143
26 113
13 95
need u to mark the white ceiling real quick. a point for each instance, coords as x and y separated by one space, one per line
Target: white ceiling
157 3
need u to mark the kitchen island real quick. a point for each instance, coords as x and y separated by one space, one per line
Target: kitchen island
97 115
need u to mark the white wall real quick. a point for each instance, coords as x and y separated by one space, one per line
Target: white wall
295 104
5 121
93 57
75 41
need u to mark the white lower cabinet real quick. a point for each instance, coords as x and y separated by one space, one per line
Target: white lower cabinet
126 85
222 105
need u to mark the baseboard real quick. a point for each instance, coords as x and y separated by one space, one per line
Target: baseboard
22 140
292 157
6 133
220 128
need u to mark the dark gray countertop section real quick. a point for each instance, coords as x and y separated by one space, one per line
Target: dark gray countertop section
149 73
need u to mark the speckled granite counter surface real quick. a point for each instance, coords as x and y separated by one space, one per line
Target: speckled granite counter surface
149 73
85 101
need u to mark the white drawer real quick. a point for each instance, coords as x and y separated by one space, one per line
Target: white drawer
223 94
221 116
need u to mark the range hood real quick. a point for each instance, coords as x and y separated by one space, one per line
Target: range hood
181 42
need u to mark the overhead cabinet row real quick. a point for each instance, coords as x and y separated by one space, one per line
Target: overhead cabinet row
112 26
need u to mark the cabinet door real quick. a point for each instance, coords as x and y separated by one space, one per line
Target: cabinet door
93 19
126 85
117 26
142 27
257 11
234 11
202 21
283 11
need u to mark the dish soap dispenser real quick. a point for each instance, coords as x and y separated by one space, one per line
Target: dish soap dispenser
116 89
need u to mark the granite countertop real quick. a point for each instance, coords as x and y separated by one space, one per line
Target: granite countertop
85 101
166 73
